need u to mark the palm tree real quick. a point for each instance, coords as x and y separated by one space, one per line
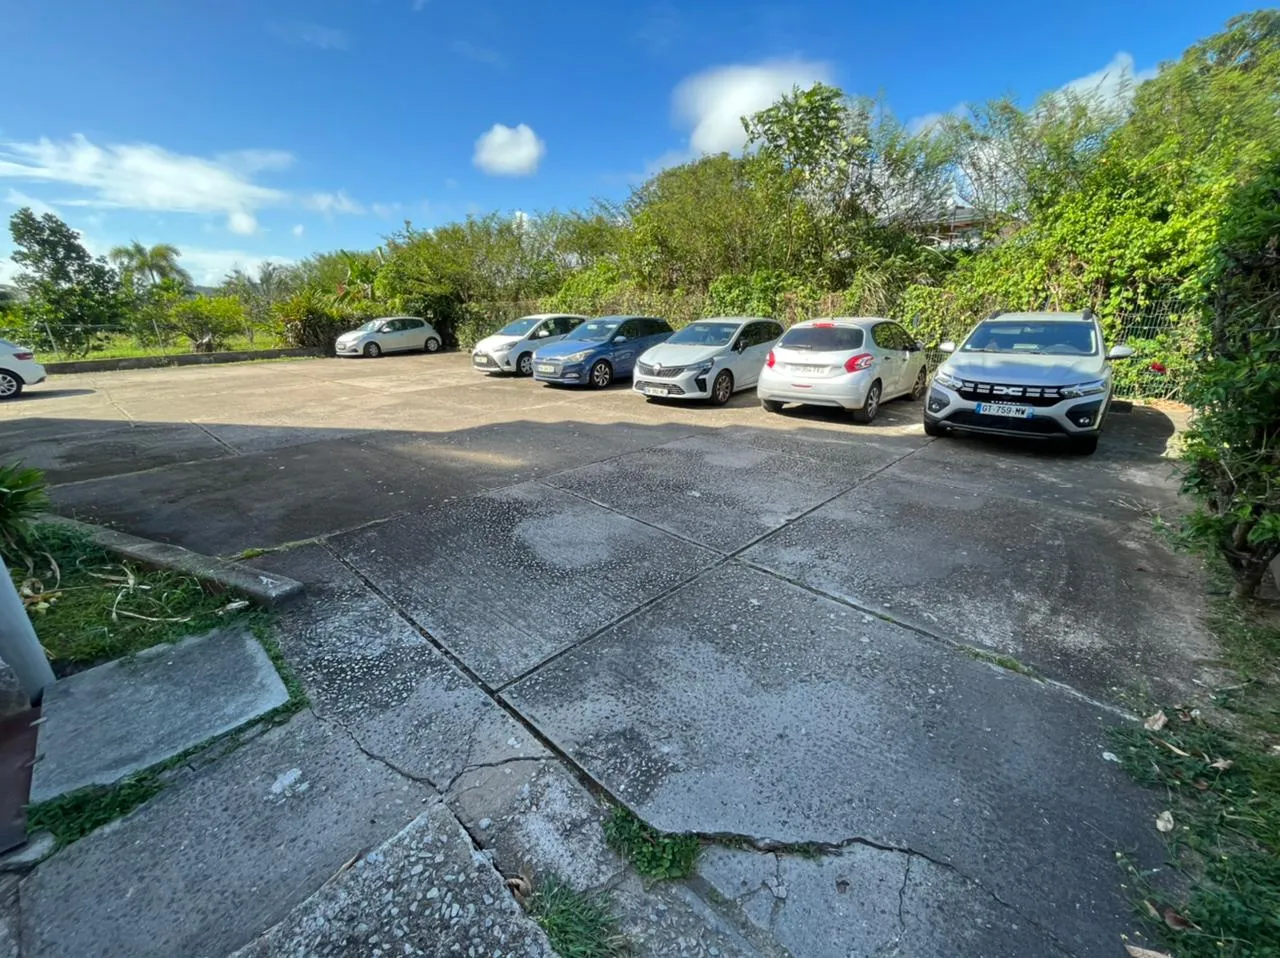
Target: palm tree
151 265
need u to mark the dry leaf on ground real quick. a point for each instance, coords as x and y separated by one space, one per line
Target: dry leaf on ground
1222 764
1164 821
1176 921
1155 723
1136 952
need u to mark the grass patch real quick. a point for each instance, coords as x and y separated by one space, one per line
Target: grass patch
72 816
652 853
1221 783
1004 661
89 607
126 347
579 925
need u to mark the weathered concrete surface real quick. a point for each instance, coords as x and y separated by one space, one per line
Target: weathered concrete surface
1096 603
219 857
366 669
745 705
9 917
426 891
105 723
507 579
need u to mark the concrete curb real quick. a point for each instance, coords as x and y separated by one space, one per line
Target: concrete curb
177 359
263 588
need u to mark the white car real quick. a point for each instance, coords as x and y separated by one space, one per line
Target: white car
390 334
853 363
510 349
708 359
18 368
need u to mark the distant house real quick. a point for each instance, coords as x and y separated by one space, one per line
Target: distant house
958 227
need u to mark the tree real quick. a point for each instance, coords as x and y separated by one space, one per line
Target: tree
259 294
207 321
71 296
140 264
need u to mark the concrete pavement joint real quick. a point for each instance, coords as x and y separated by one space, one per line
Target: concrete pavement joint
220 441
374 756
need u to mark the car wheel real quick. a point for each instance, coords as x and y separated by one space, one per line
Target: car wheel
601 374
722 388
524 365
770 405
1085 445
932 428
432 346
10 384
922 383
372 350
867 414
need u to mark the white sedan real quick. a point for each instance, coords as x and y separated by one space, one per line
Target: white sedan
850 363
390 334
708 359
18 368
510 349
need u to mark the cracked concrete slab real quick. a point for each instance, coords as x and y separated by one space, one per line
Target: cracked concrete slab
745 705
218 856
721 493
369 671
507 579
1098 605
424 892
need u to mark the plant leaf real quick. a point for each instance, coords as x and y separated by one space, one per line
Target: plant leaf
1176 921
1164 821
1156 722
1136 952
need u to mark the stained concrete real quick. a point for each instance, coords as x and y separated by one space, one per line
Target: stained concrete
745 705
219 857
508 579
108 722
424 892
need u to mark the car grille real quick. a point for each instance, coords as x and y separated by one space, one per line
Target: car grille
663 372
1032 427
481 359
1002 392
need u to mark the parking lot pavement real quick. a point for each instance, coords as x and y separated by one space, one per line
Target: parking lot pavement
734 622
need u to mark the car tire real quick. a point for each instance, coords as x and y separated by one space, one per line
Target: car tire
921 385
10 385
722 388
601 374
770 405
1084 445
432 345
934 429
372 350
867 414
524 365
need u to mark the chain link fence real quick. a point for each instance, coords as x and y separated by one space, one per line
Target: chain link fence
1166 339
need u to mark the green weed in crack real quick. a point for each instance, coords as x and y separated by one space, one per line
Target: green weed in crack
652 853
578 924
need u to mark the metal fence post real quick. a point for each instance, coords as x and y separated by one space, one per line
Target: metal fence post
53 341
19 646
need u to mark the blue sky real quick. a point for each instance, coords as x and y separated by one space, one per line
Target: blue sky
243 130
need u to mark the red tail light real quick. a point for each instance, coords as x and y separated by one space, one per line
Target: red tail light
24 355
1160 368
825 325
771 360
861 361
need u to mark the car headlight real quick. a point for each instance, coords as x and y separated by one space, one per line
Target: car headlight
504 348
577 357
703 367
1083 389
944 378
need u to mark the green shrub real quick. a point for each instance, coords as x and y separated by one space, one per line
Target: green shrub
207 321
22 498
309 318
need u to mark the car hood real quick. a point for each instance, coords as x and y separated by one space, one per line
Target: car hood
352 334
1025 370
490 343
567 347
679 354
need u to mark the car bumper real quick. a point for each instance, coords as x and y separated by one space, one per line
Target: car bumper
687 385
573 374
348 349
489 363
848 391
1069 418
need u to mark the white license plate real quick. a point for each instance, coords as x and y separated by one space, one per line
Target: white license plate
655 390
546 368
807 370
1004 409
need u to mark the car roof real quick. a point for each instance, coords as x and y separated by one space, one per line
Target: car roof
1039 318
549 316
861 322
625 317
733 319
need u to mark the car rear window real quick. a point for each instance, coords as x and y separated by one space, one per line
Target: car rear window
822 338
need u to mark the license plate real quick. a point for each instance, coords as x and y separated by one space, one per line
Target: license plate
807 370
1004 409
655 390
546 368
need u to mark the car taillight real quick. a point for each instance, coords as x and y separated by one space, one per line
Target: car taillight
24 355
860 361
771 360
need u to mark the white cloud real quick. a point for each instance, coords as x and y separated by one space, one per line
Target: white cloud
310 35
330 203
242 223
712 104
298 229
1113 85
208 267
18 199
386 210
509 151
480 54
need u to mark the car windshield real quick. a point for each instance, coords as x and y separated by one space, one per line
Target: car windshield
823 338
370 326
1067 338
595 330
520 326
705 334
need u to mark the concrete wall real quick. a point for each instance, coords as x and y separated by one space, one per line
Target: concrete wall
177 359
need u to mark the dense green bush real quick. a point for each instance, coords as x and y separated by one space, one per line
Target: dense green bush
206 321
310 318
22 499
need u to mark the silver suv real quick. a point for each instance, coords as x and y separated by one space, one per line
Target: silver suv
1039 375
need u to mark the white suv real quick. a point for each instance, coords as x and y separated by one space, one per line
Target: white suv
1039 375
18 368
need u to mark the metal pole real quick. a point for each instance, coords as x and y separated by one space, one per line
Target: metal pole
19 646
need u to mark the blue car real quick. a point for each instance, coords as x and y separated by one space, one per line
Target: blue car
599 351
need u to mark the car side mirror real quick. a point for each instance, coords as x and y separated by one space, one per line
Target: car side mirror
948 347
740 346
619 338
916 347
384 329
1121 352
